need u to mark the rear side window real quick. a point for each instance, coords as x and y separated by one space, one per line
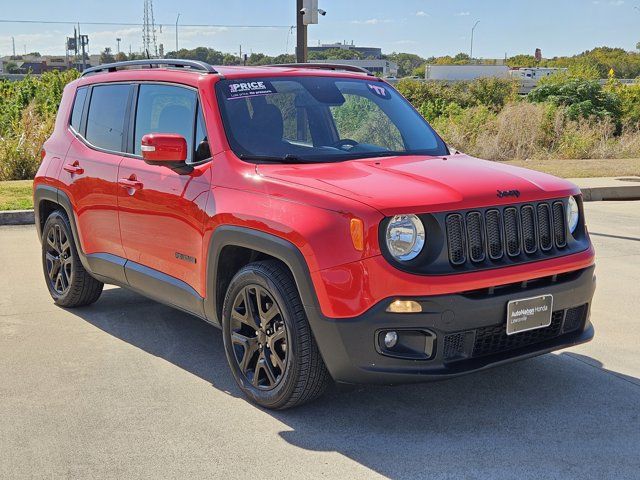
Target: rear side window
165 109
78 107
106 118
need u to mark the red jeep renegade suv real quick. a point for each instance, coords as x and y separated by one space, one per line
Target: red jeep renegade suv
312 214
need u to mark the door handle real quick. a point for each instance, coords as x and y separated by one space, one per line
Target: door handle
74 168
131 183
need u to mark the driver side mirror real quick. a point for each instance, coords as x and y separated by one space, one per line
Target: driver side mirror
166 149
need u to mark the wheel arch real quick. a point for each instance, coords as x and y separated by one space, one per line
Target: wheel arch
246 245
47 199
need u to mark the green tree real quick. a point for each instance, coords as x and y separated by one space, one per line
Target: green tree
407 63
106 56
11 67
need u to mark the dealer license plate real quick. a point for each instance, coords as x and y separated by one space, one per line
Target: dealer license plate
529 314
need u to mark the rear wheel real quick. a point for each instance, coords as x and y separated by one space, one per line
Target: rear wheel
70 285
269 345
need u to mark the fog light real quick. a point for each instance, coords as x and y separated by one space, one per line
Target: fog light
404 306
391 339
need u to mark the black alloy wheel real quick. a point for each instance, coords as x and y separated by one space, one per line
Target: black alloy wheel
69 284
268 341
259 337
58 259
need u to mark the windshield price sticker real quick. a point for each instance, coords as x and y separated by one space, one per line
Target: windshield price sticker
379 90
249 89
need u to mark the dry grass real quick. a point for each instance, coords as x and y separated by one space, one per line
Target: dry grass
583 168
16 195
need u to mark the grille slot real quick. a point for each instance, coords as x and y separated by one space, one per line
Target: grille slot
529 240
544 227
511 232
455 236
494 234
475 237
559 228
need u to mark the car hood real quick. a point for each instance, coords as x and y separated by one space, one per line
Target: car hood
421 184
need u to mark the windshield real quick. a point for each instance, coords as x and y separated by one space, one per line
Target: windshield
321 119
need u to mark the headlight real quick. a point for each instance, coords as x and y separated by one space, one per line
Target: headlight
405 237
573 215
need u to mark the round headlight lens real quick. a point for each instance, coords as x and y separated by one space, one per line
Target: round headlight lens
573 214
405 237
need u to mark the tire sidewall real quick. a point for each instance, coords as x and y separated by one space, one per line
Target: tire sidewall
279 395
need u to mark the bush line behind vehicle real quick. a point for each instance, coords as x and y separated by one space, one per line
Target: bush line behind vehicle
312 214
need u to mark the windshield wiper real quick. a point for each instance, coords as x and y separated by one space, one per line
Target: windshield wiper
288 158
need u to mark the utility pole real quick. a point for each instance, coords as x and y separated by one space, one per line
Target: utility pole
301 30
472 32
178 18
13 42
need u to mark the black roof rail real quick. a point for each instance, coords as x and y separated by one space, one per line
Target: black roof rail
325 66
195 65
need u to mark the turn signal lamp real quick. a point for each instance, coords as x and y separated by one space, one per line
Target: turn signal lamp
357 234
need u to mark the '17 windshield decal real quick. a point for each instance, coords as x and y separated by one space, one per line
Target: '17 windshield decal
379 90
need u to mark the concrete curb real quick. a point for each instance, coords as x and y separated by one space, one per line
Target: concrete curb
17 217
598 194
608 188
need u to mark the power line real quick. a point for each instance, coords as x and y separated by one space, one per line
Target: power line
132 24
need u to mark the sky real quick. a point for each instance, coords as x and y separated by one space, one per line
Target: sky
426 27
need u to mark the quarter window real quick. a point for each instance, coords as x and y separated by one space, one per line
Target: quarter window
202 152
165 109
106 118
78 107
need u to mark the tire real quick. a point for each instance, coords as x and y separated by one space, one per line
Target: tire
70 285
274 358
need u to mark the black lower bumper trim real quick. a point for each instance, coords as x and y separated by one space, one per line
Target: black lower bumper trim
469 329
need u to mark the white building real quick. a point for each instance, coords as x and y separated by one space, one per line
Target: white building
385 68
457 73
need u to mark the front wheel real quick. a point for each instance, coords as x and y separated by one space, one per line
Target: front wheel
267 338
70 285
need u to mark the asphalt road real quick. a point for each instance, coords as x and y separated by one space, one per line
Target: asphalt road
129 388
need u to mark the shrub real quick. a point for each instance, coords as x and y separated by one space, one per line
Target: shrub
582 98
27 116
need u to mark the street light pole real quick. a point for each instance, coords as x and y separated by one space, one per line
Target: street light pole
118 41
472 32
178 18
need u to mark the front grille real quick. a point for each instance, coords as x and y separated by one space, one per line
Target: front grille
493 340
513 234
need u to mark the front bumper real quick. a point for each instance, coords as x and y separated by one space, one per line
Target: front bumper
467 332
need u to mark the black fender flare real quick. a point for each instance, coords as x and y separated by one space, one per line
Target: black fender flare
272 245
54 195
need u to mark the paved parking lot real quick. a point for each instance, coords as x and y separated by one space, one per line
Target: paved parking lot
132 389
